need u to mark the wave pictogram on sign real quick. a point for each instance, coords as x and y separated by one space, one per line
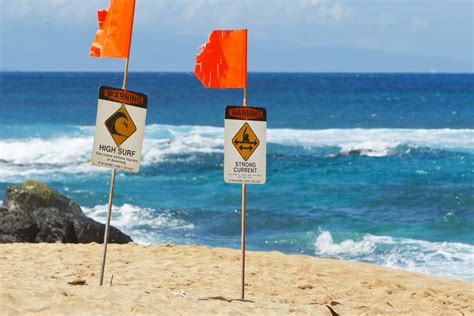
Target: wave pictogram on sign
120 126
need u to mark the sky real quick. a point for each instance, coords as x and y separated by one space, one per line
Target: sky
284 35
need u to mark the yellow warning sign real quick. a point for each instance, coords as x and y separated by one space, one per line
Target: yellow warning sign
245 141
120 125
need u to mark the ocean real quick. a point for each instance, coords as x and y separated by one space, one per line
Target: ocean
376 168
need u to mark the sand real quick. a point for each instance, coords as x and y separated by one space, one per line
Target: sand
187 280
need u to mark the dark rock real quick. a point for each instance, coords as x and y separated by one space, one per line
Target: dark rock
352 152
16 226
54 226
34 212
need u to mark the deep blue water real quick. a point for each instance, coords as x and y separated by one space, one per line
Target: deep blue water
406 200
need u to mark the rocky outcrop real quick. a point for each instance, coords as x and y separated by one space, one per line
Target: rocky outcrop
34 212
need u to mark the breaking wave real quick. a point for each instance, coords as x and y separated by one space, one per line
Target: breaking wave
376 142
402 253
70 153
144 225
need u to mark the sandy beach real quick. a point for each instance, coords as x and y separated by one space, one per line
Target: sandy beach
171 280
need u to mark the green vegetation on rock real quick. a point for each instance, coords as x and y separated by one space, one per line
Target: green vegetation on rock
40 193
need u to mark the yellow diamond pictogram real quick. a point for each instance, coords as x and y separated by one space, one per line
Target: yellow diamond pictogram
245 141
120 125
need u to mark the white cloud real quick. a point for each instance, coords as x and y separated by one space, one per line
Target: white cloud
50 11
392 26
338 11
419 24
385 21
171 13
314 2
323 12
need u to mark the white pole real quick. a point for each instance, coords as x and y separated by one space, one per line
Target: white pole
107 226
244 201
111 196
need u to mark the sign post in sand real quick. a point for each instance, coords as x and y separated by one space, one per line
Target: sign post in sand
118 140
245 138
222 63
121 113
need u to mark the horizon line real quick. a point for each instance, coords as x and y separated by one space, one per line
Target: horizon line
250 72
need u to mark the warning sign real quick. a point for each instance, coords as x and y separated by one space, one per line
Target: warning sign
119 129
245 141
245 145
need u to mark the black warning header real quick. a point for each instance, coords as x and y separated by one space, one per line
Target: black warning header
233 112
123 96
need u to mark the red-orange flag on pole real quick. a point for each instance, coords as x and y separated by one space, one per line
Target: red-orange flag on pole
114 36
222 62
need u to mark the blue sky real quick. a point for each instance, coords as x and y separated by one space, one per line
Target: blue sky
284 35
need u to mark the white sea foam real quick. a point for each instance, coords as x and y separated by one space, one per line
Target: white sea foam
145 225
165 140
61 150
402 253
376 141
71 153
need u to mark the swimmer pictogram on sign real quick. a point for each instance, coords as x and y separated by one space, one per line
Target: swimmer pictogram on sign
120 125
245 144
245 141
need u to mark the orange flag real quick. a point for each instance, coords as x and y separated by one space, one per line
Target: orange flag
114 36
222 62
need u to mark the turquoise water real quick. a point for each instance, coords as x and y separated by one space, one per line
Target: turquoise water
369 167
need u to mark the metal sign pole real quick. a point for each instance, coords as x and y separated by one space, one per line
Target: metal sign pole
244 201
111 196
244 198
107 226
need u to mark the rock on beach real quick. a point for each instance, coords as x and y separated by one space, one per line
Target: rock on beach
33 212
